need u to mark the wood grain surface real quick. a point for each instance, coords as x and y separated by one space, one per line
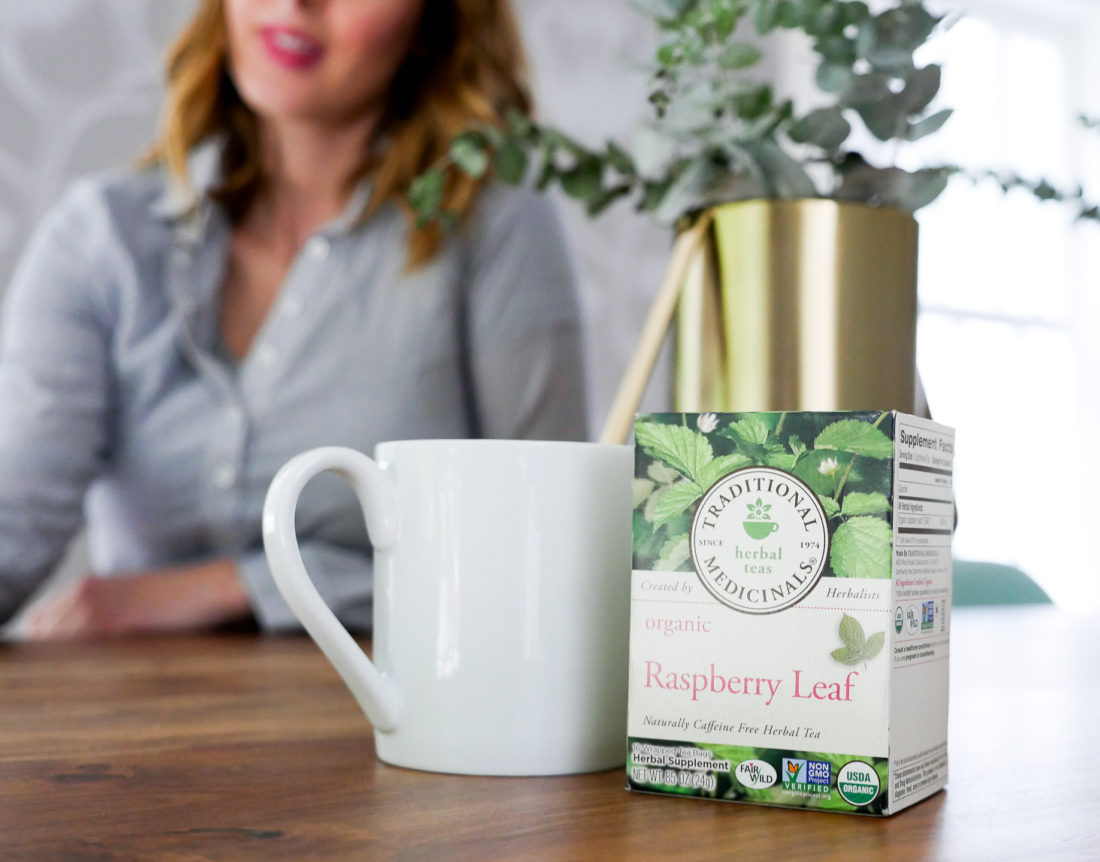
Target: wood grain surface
247 747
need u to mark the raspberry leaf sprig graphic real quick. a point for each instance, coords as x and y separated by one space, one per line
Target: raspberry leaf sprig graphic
857 646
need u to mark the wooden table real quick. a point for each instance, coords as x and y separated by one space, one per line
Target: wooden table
244 747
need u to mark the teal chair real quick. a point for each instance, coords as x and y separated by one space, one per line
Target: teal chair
980 583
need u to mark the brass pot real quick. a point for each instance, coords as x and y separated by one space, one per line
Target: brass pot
800 305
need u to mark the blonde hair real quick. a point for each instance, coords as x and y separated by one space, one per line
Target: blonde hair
466 65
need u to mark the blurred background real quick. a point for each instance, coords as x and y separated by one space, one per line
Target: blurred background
1009 328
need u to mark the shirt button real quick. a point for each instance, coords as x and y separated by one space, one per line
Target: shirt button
293 306
267 356
317 247
225 476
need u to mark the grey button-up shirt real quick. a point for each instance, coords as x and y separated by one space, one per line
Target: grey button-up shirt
119 406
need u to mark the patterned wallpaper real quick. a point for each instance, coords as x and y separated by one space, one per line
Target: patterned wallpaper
80 90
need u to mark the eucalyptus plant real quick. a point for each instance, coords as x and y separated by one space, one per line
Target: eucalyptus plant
1044 190
720 132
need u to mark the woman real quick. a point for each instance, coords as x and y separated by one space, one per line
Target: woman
174 334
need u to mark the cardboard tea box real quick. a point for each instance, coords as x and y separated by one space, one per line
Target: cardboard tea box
790 608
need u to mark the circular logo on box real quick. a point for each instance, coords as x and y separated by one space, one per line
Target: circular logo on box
857 782
759 540
756 774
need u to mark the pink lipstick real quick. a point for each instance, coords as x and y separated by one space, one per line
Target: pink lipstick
292 49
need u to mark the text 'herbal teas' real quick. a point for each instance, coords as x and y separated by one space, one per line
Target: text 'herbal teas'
790 607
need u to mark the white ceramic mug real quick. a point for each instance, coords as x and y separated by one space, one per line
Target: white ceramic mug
501 600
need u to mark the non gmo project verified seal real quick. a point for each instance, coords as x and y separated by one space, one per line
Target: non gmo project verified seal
806 777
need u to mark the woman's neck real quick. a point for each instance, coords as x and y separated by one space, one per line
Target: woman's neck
307 172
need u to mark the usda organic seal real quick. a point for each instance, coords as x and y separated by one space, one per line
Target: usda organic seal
759 540
857 782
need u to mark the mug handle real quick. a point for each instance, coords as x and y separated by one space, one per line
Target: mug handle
377 696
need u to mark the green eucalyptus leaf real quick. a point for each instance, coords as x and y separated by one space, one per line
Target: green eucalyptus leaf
909 191
825 128
856 12
518 124
883 119
851 632
921 87
753 103
929 125
688 191
692 109
838 50
827 20
764 126
725 21
585 180
654 150
867 88
908 25
765 16
858 503
469 152
862 548
619 159
510 163
426 194
598 203
788 15
833 77
784 177
662 10
739 55
683 449
653 192
545 170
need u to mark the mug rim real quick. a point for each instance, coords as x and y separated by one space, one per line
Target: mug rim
483 442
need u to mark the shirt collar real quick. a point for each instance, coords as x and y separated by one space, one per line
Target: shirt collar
182 198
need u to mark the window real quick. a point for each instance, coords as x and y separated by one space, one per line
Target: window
1009 326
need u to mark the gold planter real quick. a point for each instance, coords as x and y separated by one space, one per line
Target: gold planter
800 305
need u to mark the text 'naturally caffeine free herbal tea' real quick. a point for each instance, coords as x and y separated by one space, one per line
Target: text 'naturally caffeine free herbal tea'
790 607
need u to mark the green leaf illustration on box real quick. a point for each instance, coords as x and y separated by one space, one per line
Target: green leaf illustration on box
856 503
862 548
856 437
858 648
675 446
680 456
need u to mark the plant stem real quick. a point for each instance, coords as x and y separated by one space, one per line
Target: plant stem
844 478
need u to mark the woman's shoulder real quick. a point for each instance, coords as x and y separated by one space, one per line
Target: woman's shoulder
512 215
117 197
506 206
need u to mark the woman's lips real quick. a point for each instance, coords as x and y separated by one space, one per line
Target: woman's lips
290 48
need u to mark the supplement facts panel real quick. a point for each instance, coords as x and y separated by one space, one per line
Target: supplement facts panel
924 520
